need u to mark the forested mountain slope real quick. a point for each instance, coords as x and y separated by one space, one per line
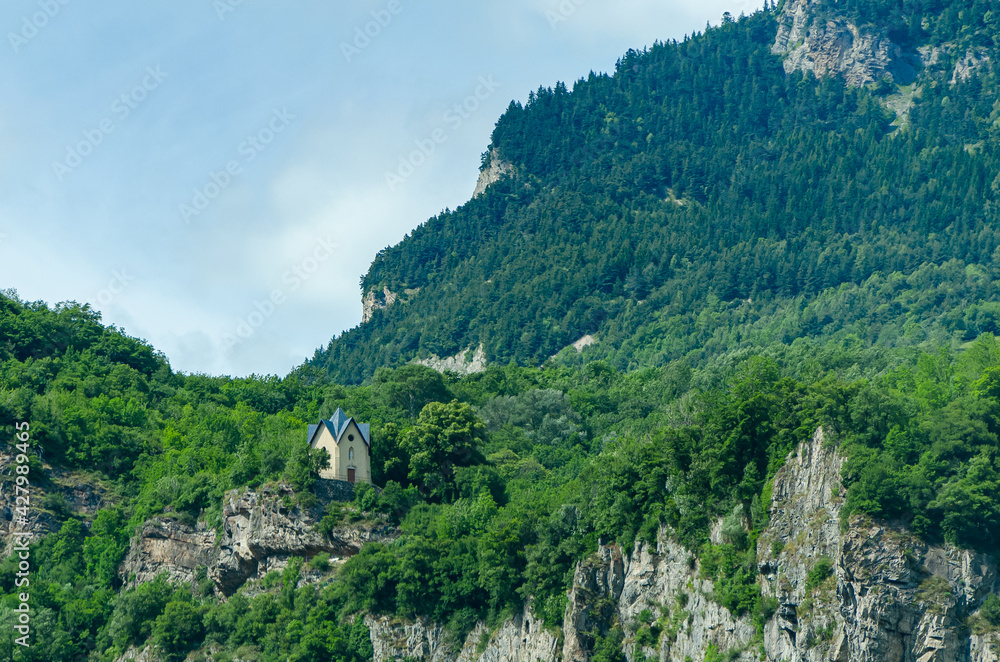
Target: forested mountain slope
716 193
785 444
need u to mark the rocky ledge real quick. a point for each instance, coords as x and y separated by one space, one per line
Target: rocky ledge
260 532
811 37
883 595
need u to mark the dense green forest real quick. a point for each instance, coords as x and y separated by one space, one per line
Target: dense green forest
758 253
699 198
561 457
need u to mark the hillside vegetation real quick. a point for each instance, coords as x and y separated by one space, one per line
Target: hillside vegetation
700 199
758 253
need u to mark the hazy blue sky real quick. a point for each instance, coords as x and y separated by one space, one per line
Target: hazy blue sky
119 119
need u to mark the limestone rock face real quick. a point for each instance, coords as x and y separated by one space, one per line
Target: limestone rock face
260 533
461 363
872 593
145 654
521 637
813 38
497 169
590 611
421 640
804 530
970 63
166 545
374 300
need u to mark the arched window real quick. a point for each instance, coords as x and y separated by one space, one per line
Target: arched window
350 454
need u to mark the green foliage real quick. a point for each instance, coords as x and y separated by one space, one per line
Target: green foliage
320 562
105 547
304 466
991 609
410 388
480 535
713 654
699 199
821 570
365 497
135 613
445 436
609 648
700 212
177 630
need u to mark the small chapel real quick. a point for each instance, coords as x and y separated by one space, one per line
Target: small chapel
349 445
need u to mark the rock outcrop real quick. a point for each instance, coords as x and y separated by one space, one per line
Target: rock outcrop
374 300
52 498
260 533
522 637
167 546
465 362
813 38
871 593
494 172
968 65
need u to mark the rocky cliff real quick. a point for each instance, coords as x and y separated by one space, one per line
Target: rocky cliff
260 532
869 593
374 300
866 592
466 362
54 494
812 38
519 638
494 172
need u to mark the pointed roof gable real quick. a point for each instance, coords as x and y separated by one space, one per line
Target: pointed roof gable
337 425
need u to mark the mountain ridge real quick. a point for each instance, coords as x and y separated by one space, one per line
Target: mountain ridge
783 442
698 171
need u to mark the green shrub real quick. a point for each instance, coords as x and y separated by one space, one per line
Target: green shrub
819 573
609 648
320 562
178 630
991 609
365 497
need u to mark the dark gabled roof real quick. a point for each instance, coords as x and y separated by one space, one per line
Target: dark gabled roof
337 425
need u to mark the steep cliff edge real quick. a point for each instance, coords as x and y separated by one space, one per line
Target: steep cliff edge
868 594
522 637
260 532
812 38
496 170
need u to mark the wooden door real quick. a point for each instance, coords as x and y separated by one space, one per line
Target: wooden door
350 475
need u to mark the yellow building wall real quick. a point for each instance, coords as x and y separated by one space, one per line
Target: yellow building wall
340 456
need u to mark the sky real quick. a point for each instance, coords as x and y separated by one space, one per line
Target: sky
215 176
